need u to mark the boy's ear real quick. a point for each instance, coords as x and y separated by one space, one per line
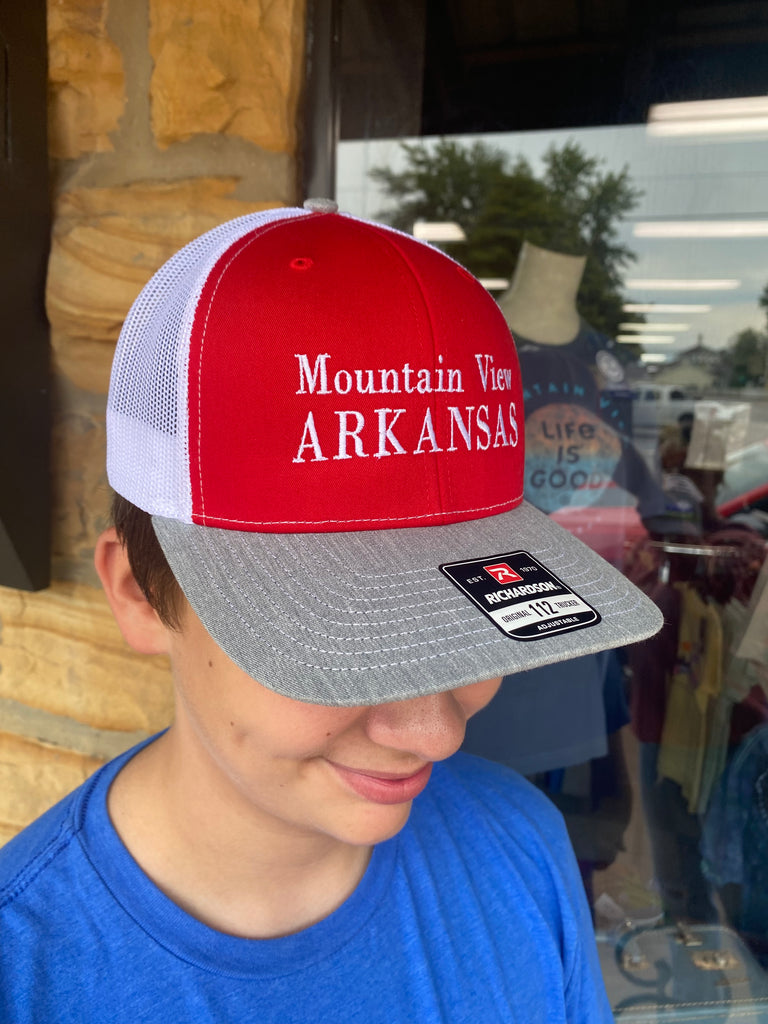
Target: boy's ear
138 621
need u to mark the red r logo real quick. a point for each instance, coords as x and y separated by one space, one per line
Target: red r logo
502 573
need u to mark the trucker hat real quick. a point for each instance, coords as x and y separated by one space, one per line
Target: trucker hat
324 418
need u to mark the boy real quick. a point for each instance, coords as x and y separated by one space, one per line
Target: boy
314 436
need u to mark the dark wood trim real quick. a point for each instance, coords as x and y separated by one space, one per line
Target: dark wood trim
24 342
321 106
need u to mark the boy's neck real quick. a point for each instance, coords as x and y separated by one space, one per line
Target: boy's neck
201 847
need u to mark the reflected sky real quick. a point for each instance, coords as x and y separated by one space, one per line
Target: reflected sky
681 179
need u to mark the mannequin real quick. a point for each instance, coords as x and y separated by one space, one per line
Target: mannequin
541 309
540 304
573 386
558 724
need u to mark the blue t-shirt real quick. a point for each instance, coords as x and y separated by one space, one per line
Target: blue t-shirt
473 913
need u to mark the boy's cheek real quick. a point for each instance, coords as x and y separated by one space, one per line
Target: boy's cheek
477 696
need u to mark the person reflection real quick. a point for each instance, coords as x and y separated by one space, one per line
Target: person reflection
560 724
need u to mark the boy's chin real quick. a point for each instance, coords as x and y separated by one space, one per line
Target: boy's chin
373 828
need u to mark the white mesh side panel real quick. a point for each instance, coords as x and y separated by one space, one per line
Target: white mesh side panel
147 408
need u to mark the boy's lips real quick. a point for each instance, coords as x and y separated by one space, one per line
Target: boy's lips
384 787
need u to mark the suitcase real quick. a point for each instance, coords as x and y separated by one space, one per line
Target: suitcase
686 973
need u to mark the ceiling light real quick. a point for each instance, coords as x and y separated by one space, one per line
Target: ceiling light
647 339
701 229
438 231
709 117
653 357
642 328
665 307
684 284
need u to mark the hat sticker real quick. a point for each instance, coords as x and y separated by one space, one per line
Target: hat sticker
520 595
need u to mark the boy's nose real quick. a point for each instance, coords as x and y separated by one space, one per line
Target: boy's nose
431 727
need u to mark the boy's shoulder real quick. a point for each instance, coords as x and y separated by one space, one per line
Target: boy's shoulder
471 791
481 814
36 846
43 843
479 778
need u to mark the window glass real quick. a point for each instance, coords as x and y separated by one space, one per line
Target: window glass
630 262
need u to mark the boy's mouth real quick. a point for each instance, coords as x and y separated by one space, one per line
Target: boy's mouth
383 787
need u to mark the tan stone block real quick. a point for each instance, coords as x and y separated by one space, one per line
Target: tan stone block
227 66
86 80
62 652
84 363
33 777
81 494
7 832
107 243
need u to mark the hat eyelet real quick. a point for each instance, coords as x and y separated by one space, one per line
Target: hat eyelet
301 263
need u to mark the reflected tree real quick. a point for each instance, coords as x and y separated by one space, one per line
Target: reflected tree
744 361
574 206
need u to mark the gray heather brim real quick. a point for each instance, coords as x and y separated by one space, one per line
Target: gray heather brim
369 617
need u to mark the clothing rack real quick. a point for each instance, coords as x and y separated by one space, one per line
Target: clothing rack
713 551
701 550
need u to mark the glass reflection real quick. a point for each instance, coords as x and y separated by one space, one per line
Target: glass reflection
630 265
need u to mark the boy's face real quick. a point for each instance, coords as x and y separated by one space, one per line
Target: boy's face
347 773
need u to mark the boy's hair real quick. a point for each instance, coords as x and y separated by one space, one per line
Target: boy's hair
148 563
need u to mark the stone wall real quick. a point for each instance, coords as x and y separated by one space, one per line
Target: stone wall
164 120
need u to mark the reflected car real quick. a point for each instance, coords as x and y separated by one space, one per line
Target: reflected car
608 526
745 484
657 405
611 524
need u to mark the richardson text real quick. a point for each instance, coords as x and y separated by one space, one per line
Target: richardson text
527 588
